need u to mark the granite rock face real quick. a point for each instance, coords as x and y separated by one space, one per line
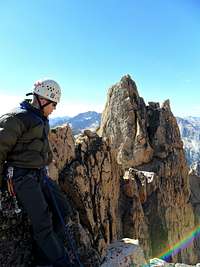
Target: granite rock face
147 138
63 148
128 181
16 243
124 253
91 182
174 212
195 199
124 123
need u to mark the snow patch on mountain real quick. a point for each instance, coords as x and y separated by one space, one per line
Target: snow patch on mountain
190 133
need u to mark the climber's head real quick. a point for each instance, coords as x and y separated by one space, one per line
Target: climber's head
47 95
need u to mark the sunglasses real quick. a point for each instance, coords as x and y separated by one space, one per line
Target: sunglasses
49 102
54 104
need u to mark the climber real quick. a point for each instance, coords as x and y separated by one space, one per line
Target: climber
24 155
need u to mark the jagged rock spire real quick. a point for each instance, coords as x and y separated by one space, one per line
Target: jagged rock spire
148 139
124 123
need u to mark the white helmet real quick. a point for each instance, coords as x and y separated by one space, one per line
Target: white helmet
49 89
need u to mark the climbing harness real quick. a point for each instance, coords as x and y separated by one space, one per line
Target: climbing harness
66 226
11 189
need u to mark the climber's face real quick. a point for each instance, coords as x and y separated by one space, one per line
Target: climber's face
47 110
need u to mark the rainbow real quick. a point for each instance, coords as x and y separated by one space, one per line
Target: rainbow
183 244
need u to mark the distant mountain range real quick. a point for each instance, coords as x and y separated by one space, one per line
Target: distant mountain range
189 129
58 121
190 133
87 120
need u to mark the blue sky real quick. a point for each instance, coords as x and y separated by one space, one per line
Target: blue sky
88 45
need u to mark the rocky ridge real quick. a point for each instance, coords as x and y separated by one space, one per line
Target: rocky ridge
148 138
189 128
128 181
153 198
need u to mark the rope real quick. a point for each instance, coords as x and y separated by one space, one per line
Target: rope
67 233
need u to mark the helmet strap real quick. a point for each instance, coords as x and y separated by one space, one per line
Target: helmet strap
39 102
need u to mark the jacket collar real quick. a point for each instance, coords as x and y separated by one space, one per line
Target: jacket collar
29 107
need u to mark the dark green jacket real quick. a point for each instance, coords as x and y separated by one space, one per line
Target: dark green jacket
24 138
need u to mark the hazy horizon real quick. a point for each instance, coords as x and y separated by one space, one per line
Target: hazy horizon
73 109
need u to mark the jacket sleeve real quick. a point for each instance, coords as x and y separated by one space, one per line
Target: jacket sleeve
11 128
